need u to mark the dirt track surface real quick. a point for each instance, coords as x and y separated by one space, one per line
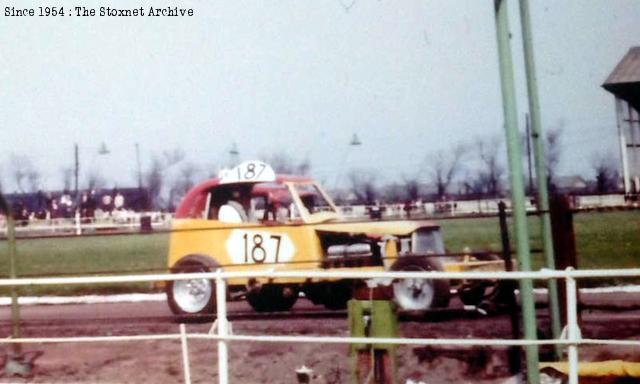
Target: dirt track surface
161 362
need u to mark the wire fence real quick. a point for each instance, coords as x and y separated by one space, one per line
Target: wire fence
135 222
221 332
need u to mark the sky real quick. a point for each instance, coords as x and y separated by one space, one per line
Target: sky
410 78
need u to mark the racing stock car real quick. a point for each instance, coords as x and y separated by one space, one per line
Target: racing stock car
249 218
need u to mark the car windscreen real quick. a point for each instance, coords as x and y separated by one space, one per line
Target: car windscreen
312 198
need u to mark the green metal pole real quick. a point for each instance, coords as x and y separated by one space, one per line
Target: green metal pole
543 195
11 245
517 184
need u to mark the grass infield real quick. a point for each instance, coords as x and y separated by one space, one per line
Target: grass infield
604 240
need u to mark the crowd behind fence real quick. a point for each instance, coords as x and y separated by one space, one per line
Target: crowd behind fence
129 220
223 336
65 204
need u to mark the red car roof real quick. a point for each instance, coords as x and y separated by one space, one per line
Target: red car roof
191 198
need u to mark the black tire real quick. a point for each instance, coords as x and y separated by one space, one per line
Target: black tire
192 298
273 298
423 294
337 294
315 292
472 294
333 295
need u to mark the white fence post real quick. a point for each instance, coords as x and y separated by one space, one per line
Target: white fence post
77 222
573 330
223 330
185 354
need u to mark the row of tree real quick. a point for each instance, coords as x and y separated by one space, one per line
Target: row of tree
476 169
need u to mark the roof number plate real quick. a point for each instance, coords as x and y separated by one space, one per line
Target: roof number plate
248 172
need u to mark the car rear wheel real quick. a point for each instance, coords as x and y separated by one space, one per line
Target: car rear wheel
273 298
474 292
338 294
333 295
194 296
419 294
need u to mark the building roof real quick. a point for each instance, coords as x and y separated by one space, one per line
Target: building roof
624 81
627 71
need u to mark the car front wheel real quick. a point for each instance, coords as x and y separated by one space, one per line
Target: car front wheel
194 296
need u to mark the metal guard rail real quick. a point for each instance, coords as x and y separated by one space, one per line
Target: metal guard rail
223 336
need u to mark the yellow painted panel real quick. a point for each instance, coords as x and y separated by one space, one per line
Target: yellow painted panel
615 368
238 247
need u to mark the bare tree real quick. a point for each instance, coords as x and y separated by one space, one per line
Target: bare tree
394 192
444 167
23 172
67 177
606 173
411 188
154 180
33 181
363 185
187 177
94 180
18 172
408 190
474 184
161 192
184 181
489 176
172 157
283 163
553 151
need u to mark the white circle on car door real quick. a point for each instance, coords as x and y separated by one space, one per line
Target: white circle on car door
259 247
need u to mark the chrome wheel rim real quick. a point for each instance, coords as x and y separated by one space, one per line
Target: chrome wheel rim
414 294
192 296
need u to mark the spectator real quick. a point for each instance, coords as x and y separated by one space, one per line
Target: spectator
408 206
87 207
56 210
41 205
107 203
92 203
66 204
20 212
48 205
118 201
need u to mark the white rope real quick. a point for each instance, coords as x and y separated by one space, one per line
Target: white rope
544 274
321 340
89 339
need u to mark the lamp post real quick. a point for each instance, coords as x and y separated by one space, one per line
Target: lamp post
234 154
101 151
76 168
138 166
354 142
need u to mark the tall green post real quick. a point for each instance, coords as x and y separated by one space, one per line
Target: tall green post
541 176
517 184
